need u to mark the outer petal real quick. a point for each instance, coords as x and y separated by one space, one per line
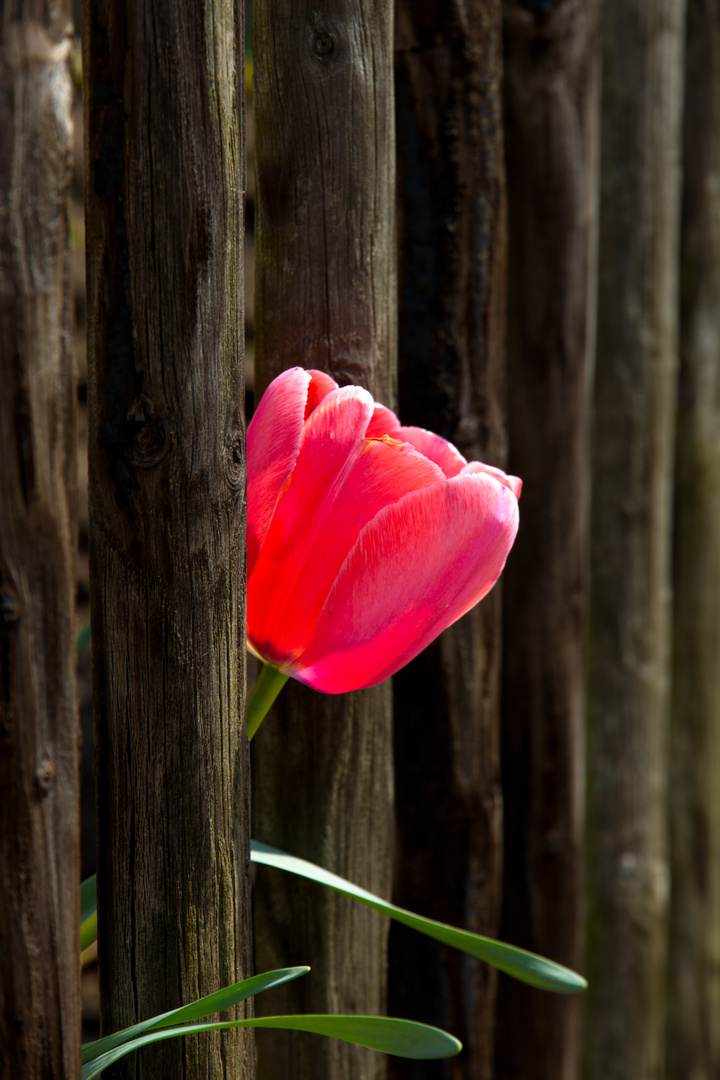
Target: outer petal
273 441
341 481
320 386
514 483
416 568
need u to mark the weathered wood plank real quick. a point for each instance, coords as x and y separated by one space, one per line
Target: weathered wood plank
693 1028
451 207
165 181
325 298
551 133
39 729
325 173
629 634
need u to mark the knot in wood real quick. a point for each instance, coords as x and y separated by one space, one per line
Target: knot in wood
347 371
467 433
45 776
147 434
235 459
9 606
323 45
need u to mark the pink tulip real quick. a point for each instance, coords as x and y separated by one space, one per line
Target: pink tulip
365 539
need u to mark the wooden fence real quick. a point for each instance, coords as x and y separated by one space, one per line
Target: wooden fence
504 220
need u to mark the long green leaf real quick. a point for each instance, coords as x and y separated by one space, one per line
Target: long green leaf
402 1038
526 966
88 932
88 912
83 639
88 898
205 1006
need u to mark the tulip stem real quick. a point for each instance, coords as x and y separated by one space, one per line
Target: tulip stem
269 684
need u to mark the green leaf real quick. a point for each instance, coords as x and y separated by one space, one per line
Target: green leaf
211 1003
83 639
402 1038
526 966
88 912
88 932
88 898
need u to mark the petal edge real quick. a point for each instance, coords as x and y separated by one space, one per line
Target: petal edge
414 570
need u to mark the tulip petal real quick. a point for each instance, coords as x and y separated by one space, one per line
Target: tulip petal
320 386
439 450
514 483
415 569
341 481
383 422
273 441
443 453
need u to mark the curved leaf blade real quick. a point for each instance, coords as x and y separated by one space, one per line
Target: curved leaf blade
204 1006
88 932
525 966
401 1038
387 1034
88 898
83 639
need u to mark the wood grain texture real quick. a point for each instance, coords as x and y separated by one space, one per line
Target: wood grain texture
551 134
628 644
323 790
164 182
693 1026
451 206
325 174
39 726
325 298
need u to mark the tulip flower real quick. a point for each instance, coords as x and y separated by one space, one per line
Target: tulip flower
365 539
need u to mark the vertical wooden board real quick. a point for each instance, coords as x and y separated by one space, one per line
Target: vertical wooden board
39 730
323 790
629 632
325 298
165 182
451 208
693 1025
551 146
449 842
325 173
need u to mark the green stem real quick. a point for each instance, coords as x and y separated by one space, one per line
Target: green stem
270 682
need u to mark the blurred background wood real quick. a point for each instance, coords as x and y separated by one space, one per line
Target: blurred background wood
551 136
164 187
693 1024
325 298
39 729
633 448
451 206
